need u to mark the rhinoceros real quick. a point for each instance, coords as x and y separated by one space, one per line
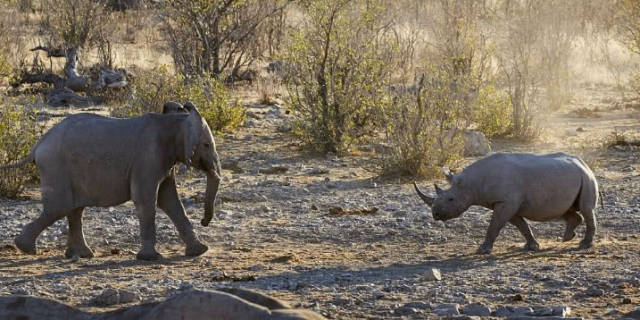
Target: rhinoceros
519 186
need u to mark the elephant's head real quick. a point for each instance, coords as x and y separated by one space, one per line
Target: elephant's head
196 147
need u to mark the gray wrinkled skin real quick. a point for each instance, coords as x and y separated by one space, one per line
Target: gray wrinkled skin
90 160
519 186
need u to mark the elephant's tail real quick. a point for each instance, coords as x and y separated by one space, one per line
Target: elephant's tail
29 158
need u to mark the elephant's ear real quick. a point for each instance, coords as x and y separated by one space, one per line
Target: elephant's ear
190 135
173 107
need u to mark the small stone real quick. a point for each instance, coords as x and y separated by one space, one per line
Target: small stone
405 311
115 251
561 311
518 297
127 296
416 305
433 274
75 258
314 207
594 291
626 300
512 311
447 309
477 309
108 297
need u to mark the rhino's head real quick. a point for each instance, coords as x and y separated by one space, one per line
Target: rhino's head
450 203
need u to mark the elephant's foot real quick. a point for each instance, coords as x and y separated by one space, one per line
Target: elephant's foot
195 249
26 244
531 246
484 249
568 235
148 255
586 244
82 252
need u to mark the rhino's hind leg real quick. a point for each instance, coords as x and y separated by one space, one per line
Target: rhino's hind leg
590 221
525 230
573 219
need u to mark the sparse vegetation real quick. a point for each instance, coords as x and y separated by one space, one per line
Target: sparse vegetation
19 132
338 66
152 89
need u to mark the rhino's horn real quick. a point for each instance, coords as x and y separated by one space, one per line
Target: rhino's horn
428 200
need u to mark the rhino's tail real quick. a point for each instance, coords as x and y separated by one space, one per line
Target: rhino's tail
29 158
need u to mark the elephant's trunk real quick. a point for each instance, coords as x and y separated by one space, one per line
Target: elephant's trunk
213 181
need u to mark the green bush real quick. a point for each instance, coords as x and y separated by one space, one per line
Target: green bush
19 132
425 130
152 89
493 112
337 69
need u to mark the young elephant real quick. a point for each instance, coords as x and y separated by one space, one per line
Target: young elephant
91 160
519 186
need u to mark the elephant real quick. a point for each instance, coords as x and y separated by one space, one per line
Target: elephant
92 160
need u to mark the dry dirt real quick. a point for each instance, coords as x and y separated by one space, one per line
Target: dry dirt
277 233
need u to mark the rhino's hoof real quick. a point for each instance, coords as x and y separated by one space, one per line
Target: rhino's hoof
585 245
25 245
82 252
533 246
195 250
148 255
484 250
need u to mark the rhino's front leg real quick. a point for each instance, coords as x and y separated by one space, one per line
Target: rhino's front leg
525 230
169 202
502 213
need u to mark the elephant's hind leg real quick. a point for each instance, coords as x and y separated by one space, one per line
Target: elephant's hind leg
573 219
76 244
26 240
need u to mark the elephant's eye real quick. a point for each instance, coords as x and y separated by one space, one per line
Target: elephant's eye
450 199
207 145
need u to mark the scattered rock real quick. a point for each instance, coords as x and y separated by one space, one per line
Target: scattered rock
433 274
287 258
512 311
447 309
594 291
353 211
111 296
477 309
8 248
626 300
273 170
318 171
476 144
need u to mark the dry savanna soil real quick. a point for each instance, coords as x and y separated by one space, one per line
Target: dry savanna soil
327 233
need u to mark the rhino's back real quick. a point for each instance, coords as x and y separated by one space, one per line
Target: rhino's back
547 185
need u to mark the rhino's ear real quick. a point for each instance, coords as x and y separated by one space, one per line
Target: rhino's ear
438 189
448 174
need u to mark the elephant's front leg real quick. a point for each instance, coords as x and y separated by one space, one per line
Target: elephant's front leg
169 202
145 202
76 244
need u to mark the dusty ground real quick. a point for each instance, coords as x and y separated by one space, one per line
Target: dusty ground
275 233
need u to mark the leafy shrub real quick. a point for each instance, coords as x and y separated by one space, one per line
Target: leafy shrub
337 67
19 131
493 112
426 129
152 89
